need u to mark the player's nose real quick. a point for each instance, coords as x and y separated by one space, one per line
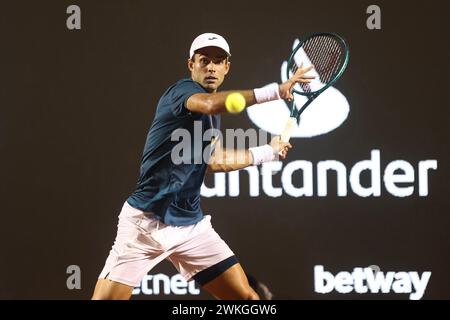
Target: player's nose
211 67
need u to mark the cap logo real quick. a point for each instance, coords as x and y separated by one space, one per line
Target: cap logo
212 38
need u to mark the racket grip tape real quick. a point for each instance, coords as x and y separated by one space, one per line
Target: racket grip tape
290 125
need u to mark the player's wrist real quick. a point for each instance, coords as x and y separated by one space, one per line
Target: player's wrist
267 93
262 154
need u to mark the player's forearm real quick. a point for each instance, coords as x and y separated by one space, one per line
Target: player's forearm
230 160
216 101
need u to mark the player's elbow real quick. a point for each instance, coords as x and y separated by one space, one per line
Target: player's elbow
217 167
214 167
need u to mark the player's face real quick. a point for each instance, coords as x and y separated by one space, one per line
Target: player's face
209 67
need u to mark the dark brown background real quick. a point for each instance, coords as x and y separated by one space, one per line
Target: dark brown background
76 106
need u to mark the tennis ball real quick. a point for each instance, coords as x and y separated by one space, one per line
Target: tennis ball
235 102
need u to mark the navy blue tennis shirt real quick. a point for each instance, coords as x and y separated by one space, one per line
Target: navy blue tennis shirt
172 191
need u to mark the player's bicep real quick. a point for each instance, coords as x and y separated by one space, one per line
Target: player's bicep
199 102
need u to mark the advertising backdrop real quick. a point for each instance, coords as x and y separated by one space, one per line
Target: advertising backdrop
358 210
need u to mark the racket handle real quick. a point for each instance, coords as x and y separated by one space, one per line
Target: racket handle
290 125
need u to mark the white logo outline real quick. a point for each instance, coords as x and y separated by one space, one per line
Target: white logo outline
328 111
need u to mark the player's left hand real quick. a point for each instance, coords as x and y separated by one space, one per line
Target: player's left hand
285 89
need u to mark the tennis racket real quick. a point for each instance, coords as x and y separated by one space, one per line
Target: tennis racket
329 54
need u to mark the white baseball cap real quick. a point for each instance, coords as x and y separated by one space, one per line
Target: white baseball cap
209 40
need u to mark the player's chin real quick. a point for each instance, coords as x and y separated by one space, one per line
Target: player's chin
210 86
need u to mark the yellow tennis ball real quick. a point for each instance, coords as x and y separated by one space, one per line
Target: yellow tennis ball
235 102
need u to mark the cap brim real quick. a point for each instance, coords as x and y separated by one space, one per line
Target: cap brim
226 52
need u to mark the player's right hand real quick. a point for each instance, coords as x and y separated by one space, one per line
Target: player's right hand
280 147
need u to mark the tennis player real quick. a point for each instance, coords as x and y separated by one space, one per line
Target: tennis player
162 219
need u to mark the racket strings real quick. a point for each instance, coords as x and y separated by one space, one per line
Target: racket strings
326 54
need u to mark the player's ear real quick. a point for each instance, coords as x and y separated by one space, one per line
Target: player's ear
190 64
227 66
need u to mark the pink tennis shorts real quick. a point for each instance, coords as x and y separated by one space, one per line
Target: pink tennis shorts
142 242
